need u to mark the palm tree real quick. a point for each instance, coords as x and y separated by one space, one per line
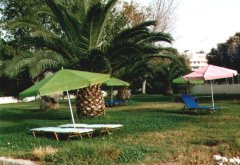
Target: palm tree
138 72
80 43
169 70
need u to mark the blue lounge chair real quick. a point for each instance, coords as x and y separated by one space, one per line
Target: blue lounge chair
111 103
191 104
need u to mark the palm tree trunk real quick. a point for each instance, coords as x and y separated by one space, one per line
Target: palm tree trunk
47 102
90 102
169 90
123 94
144 86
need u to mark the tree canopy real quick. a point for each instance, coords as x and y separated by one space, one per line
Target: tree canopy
81 42
90 35
226 54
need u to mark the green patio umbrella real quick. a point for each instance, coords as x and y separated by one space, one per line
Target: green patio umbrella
65 80
114 82
180 80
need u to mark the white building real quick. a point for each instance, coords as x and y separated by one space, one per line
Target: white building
197 59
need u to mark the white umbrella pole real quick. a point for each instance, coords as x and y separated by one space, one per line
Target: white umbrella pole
212 93
111 94
70 106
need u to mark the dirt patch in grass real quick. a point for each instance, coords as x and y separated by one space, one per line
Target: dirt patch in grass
211 143
110 153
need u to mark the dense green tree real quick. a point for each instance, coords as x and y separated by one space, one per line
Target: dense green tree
117 21
227 54
11 87
11 10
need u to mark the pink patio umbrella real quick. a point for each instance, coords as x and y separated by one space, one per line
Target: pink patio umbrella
210 72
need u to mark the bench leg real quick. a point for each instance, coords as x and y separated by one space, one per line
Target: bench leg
56 136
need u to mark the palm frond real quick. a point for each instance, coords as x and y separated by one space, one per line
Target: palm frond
105 14
14 67
99 62
128 49
170 70
135 31
35 28
46 11
59 45
155 37
95 22
83 8
45 60
68 22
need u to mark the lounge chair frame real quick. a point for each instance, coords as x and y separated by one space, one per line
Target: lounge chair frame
191 104
104 128
56 131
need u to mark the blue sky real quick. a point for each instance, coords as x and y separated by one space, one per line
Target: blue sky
202 24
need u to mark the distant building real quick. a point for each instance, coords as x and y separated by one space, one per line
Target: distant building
196 59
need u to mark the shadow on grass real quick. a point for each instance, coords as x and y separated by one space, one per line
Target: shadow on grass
147 121
151 98
210 142
17 115
15 129
167 111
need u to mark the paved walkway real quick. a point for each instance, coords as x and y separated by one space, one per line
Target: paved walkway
10 161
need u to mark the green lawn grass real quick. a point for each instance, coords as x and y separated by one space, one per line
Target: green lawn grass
155 131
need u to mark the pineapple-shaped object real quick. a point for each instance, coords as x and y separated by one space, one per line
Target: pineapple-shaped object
123 93
90 102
